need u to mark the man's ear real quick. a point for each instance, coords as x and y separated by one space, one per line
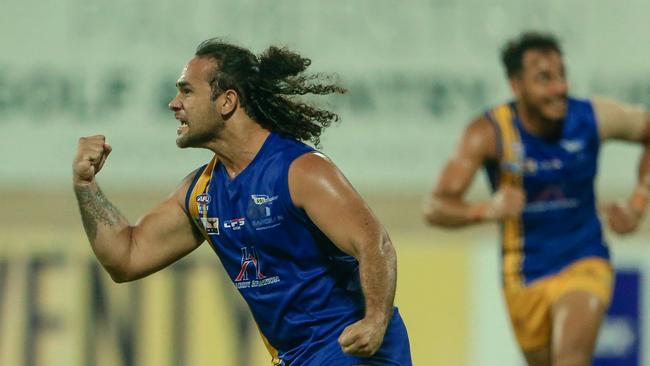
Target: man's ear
227 102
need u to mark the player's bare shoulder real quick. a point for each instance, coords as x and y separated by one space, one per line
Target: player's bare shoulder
310 163
479 140
312 172
180 192
621 121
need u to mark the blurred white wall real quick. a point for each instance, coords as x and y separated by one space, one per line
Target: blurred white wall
417 72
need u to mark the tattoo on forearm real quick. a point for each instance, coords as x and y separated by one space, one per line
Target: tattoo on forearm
96 209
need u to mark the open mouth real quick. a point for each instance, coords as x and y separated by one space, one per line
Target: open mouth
556 106
182 128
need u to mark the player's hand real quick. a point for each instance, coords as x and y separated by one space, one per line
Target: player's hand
92 152
507 202
621 218
363 338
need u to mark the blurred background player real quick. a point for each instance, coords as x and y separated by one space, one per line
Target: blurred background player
541 154
313 263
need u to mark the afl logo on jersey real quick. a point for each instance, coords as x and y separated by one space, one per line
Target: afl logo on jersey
203 199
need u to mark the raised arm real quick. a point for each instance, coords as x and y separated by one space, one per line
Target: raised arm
447 206
329 200
126 251
619 121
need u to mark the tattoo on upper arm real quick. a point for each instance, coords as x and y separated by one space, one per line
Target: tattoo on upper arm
96 209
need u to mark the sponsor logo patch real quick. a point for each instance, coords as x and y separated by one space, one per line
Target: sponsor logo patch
261 199
234 224
210 224
572 146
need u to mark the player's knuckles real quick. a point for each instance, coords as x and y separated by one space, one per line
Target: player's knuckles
86 150
360 338
95 150
94 138
87 141
362 343
346 339
365 339
90 141
96 146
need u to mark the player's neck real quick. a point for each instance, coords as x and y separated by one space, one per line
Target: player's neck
239 144
535 124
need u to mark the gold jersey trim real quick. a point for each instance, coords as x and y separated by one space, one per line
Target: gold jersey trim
510 173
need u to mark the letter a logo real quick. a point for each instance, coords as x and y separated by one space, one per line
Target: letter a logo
249 258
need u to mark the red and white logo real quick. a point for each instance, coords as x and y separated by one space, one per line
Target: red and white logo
234 224
249 258
250 264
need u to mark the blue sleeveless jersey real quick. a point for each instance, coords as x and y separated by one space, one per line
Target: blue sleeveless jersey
302 290
559 224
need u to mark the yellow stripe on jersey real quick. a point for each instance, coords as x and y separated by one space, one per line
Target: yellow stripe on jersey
201 187
275 360
510 174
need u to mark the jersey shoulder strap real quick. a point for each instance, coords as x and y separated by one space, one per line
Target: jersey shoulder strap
198 198
510 146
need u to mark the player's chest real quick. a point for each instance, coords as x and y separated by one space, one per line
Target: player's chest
567 160
241 212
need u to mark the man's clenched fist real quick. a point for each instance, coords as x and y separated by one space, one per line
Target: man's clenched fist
92 152
362 338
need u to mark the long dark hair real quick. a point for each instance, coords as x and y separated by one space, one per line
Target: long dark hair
267 86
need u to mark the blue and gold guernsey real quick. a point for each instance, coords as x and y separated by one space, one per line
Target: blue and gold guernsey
559 224
302 290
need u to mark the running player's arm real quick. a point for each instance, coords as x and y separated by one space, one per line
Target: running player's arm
129 252
447 206
619 121
318 187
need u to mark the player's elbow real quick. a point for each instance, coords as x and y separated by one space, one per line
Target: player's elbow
433 214
430 217
443 222
119 278
386 247
120 267
373 245
439 219
119 264
120 274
